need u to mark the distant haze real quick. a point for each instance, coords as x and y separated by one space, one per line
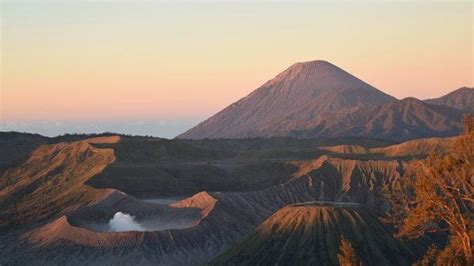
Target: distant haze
157 128
87 66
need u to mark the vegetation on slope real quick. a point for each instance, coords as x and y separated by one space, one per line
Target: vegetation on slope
437 195
347 255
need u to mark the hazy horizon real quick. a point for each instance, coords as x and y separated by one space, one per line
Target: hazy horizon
159 68
156 128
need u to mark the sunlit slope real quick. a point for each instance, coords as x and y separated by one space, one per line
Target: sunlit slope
51 182
412 148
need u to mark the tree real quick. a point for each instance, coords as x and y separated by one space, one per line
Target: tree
347 255
436 195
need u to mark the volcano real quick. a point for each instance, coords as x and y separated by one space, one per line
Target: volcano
296 99
317 99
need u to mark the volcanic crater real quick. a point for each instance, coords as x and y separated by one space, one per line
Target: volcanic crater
121 212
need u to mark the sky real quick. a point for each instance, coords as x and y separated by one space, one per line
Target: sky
160 67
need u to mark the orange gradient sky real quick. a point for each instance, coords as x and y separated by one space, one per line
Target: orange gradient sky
77 61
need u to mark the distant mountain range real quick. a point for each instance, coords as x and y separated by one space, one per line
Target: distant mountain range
318 99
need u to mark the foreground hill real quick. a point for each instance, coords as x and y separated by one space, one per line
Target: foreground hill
317 100
310 233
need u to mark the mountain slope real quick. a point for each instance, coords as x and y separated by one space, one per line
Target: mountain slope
461 99
309 234
295 99
402 120
51 181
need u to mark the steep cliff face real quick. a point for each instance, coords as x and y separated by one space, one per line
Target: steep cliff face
310 233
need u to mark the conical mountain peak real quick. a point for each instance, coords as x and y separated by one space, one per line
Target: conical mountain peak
295 99
316 76
315 64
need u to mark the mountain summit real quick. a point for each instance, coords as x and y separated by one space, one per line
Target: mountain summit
296 99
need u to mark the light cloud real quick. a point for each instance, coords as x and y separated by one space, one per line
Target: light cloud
124 222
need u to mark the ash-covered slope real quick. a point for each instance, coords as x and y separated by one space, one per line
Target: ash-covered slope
461 99
309 234
296 99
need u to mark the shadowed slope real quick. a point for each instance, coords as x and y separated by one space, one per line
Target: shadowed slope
309 234
16 147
